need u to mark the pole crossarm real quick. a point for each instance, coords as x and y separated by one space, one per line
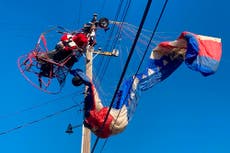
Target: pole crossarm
115 52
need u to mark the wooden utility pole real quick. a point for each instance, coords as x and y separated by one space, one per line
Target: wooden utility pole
86 133
103 23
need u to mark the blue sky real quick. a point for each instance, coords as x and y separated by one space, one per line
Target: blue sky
185 113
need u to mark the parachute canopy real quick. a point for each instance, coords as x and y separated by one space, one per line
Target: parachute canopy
203 53
200 53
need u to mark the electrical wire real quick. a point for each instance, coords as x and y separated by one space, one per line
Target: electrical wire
103 67
149 43
126 66
38 120
153 34
118 35
110 44
38 105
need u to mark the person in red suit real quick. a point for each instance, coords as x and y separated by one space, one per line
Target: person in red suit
67 52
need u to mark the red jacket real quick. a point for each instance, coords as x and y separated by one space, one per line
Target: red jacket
74 41
96 120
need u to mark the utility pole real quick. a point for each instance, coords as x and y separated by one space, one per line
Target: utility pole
103 23
86 134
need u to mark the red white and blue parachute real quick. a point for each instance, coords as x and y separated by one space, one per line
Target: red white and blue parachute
200 53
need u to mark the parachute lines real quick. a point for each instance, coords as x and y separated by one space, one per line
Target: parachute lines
126 65
152 35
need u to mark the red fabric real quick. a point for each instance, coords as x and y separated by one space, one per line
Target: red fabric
80 39
65 37
210 48
92 94
166 45
96 120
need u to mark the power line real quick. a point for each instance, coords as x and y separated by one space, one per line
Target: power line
118 34
102 69
38 105
153 33
38 120
126 65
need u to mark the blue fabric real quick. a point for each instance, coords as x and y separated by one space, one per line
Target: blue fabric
82 75
128 96
192 48
161 70
205 65
89 99
123 94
